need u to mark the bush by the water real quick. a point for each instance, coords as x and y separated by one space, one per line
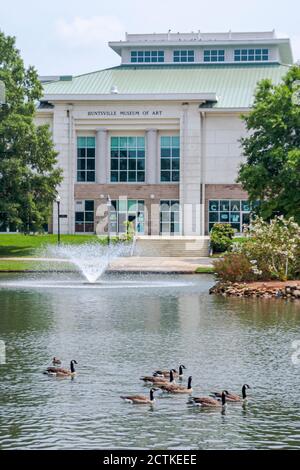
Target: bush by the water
221 236
272 251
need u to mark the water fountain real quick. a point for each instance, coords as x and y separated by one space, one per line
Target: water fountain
91 259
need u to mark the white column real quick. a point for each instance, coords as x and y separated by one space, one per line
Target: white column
151 156
190 171
101 156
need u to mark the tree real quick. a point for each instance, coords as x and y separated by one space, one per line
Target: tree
271 173
28 172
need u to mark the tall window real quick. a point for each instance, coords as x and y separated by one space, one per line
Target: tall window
127 159
86 149
147 56
127 211
169 217
169 158
84 216
214 55
250 55
235 212
184 55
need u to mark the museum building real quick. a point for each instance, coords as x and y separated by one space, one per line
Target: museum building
155 141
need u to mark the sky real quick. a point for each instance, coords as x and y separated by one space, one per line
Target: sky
69 37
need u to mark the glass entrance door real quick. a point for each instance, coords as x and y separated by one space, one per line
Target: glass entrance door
126 215
169 217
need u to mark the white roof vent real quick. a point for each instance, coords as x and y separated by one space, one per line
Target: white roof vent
114 90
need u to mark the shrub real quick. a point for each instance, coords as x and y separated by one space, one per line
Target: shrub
272 251
234 267
221 236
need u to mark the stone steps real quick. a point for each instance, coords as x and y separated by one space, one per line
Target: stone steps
171 246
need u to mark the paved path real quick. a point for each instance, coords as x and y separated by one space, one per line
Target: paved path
141 263
159 264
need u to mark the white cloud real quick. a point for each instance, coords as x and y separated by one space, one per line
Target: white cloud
89 31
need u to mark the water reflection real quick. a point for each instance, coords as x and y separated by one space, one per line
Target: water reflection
117 335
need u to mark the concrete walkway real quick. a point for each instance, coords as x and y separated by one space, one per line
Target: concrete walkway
159 264
141 264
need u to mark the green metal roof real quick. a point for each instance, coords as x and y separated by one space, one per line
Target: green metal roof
234 84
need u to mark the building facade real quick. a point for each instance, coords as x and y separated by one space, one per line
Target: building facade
155 141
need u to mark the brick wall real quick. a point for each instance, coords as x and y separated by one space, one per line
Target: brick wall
132 191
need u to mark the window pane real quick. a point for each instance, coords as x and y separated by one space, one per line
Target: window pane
224 205
114 164
89 228
123 164
81 152
175 176
140 142
175 152
89 205
91 142
213 217
80 176
235 206
131 176
81 164
165 141
213 206
132 164
114 142
114 153
140 176
175 163
79 216
165 152
165 164
224 217
175 141
245 206
90 176
123 176
90 153
114 176
89 217
165 176
90 164
141 164
81 141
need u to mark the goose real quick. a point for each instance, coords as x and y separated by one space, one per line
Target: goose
56 361
140 399
62 372
166 373
159 379
233 397
209 402
175 388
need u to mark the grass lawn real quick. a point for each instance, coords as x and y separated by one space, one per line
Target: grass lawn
19 265
204 270
19 245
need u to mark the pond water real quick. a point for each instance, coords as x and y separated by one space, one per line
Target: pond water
126 327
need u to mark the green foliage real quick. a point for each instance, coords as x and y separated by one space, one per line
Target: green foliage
234 267
271 252
28 177
221 236
271 173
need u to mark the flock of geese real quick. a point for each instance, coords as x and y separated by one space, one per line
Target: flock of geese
165 381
